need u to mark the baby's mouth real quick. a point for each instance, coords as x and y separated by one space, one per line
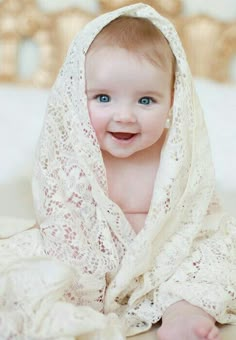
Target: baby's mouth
123 135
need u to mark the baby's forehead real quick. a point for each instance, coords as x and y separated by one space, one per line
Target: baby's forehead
110 57
155 49
119 70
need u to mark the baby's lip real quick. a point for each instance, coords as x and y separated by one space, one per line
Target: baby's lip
123 135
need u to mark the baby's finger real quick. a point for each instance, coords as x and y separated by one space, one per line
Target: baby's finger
214 334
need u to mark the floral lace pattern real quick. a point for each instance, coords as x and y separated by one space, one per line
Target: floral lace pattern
85 260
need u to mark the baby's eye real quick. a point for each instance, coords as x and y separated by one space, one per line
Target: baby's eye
146 100
103 98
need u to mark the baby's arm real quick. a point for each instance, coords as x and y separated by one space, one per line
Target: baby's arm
185 321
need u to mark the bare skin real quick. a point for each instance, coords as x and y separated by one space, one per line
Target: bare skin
120 175
183 321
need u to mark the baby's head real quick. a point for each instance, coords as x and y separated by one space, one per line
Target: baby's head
130 73
140 37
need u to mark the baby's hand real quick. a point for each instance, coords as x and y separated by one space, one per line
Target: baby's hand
183 321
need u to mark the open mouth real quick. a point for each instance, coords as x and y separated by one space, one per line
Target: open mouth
123 135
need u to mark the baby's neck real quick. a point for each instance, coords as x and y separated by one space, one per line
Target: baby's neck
131 181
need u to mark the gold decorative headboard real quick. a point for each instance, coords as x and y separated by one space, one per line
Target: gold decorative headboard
209 43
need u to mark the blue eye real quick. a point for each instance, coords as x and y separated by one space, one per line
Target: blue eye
145 100
103 98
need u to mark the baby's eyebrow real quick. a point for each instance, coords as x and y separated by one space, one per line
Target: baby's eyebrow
150 93
96 90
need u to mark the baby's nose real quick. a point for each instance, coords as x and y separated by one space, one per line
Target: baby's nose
125 115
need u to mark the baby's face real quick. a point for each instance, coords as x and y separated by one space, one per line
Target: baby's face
128 100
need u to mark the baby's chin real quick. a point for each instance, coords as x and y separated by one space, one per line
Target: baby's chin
123 155
117 155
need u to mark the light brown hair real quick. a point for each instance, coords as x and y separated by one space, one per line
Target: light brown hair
139 36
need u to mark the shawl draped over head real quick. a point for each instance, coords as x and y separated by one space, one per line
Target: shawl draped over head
85 273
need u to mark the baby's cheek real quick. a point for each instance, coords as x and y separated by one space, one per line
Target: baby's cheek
97 121
157 120
92 114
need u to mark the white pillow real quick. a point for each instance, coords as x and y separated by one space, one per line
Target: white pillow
219 105
21 117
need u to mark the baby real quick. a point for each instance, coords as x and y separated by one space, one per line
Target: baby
128 229
130 79
130 74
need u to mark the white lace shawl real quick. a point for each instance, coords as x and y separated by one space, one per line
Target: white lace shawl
86 261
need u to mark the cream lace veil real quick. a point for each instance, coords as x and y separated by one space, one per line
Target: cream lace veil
94 261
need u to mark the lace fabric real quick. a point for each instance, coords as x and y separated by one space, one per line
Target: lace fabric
85 261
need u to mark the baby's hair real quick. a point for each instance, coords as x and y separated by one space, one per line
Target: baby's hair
139 36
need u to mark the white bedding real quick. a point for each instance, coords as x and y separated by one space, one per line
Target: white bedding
21 118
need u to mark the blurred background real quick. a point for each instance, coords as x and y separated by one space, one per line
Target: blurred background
27 50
